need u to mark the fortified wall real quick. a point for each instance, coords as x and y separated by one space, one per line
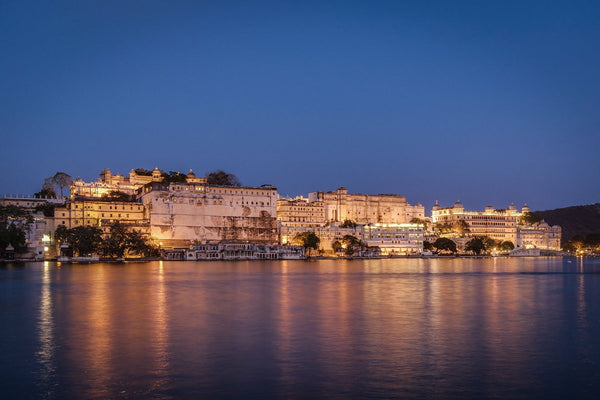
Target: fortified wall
183 213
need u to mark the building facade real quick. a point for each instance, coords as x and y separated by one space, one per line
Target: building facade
108 182
183 213
395 239
339 206
102 214
539 236
300 212
498 224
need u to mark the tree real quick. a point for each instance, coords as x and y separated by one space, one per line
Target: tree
442 228
45 193
174 176
222 178
14 223
445 244
116 243
308 240
420 221
427 246
142 171
490 244
461 228
529 218
84 240
336 245
507 245
117 195
61 234
351 244
13 235
137 244
46 208
348 223
60 180
475 246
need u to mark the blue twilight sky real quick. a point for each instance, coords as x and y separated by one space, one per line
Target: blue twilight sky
489 102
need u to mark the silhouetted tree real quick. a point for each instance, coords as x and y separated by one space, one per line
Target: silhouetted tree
475 246
222 178
308 240
445 244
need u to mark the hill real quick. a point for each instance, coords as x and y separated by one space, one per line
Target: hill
576 220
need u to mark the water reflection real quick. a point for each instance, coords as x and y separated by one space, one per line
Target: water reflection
45 329
450 328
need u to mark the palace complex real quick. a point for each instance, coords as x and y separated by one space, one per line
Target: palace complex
500 224
179 211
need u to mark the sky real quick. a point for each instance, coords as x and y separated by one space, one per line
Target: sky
489 102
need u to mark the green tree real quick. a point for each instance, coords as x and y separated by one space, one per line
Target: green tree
507 245
475 246
445 244
461 228
308 240
420 221
222 178
351 244
427 246
529 218
442 228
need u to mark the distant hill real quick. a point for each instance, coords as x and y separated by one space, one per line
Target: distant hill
576 220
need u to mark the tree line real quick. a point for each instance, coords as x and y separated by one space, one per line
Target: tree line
87 240
477 245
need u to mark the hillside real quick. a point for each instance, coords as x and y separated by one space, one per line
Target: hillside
576 220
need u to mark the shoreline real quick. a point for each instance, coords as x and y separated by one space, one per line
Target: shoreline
318 258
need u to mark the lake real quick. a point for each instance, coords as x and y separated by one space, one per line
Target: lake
391 328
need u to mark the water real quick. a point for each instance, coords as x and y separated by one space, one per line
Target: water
394 328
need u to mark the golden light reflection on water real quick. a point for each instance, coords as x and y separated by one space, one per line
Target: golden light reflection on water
45 328
161 331
386 323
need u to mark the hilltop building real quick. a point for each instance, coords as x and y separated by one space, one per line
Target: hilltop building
107 182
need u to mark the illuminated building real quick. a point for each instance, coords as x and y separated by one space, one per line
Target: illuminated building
364 209
183 213
96 212
327 234
540 236
400 239
36 227
300 212
107 182
497 224
500 224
